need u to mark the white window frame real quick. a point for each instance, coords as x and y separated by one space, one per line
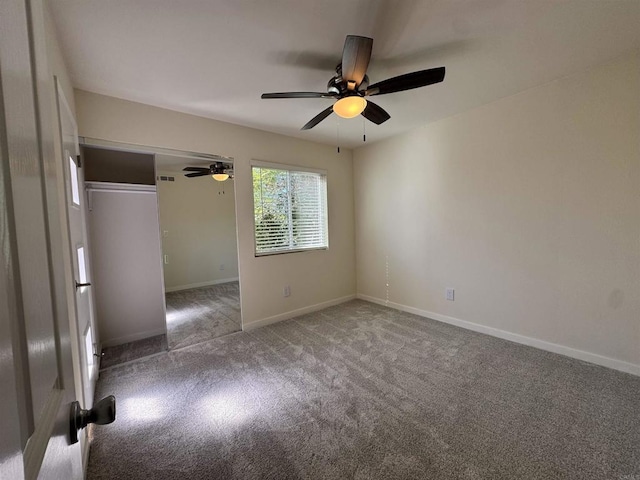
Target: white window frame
289 168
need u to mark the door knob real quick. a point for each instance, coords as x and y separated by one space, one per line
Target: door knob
102 413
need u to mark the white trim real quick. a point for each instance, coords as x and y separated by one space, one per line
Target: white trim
293 250
201 284
86 448
295 313
112 342
119 187
514 337
286 167
140 148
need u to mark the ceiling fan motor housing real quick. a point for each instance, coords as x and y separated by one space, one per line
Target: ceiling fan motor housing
338 86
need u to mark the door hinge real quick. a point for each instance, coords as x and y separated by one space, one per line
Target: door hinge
79 161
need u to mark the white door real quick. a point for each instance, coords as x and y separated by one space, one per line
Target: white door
76 207
36 369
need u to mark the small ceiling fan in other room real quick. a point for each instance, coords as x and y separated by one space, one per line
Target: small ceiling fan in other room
219 171
350 85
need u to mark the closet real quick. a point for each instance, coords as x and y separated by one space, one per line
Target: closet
125 243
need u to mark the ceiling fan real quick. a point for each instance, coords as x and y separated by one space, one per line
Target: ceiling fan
350 85
219 171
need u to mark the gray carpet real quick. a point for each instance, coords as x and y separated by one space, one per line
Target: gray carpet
201 314
128 352
359 391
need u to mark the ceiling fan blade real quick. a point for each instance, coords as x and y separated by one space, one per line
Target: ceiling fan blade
318 118
375 113
407 81
195 169
355 58
196 174
298 95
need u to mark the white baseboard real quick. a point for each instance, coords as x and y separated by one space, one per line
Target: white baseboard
201 284
86 447
514 337
295 313
112 342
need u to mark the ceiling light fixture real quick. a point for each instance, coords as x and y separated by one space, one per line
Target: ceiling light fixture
220 177
349 107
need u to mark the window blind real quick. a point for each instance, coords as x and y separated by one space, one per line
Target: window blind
290 210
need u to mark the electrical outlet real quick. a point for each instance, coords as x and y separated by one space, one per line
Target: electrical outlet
222 266
286 291
451 294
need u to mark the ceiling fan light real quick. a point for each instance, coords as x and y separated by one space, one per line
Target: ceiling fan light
220 177
349 107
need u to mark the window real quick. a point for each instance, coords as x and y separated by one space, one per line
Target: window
290 209
88 350
82 268
75 190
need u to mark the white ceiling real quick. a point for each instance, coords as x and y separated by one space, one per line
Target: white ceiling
214 58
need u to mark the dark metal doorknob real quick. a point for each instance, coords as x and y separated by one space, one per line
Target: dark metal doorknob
102 413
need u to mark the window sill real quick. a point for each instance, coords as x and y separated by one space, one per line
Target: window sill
282 252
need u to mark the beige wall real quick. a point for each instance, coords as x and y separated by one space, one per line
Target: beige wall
529 207
57 65
198 222
317 277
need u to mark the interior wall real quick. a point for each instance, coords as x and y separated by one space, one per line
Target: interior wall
317 278
528 207
198 223
56 61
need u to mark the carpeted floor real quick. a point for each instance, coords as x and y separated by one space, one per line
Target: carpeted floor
193 316
201 314
359 391
128 352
